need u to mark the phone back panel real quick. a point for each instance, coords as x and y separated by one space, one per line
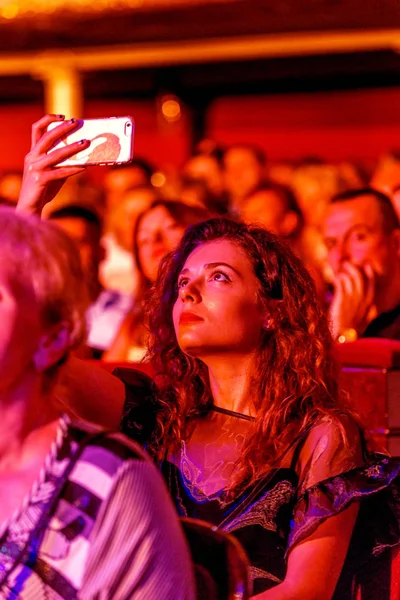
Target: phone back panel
111 141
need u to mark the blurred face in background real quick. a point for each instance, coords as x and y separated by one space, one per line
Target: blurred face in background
266 208
206 169
118 181
123 216
242 172
86 236
158 233
355 233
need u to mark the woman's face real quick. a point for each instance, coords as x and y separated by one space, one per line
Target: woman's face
20 332
218 310
157 235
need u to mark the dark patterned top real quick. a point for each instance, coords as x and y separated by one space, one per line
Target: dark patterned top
325 471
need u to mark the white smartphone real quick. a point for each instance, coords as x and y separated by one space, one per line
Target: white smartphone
111 141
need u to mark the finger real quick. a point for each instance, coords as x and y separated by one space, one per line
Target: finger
49 138
370 284
41 126
52 159
346 284
62 173
356 276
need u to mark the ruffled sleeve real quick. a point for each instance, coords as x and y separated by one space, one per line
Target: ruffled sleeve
334 472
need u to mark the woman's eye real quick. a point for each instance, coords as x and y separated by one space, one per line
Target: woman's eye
182 282
220 276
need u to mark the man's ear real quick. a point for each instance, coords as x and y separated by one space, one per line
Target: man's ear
53 346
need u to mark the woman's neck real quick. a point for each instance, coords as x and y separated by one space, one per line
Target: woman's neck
27 421
229 382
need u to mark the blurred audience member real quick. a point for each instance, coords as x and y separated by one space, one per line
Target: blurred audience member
396 199
158 231
10 187
244 171
314 184
362 236
83 511
387 173
275 208
78 210
206 165
117 271
281 172
121 178
203 176
196 193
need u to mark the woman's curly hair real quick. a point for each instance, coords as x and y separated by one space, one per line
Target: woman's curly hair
295 375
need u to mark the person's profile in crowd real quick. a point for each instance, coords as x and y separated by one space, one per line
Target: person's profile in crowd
362 236
244 170
121 178
79 211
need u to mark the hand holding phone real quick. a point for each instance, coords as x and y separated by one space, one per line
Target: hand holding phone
111 141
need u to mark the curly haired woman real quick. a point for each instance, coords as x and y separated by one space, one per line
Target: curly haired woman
249 430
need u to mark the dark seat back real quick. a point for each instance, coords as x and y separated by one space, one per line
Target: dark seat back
220 563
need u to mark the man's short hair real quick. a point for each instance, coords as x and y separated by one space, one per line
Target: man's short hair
77 212
389 216
137 162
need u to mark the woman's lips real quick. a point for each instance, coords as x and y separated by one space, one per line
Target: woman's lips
188 317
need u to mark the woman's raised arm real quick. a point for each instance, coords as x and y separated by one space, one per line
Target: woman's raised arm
41 178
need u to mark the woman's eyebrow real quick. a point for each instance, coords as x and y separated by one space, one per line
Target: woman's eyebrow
213 265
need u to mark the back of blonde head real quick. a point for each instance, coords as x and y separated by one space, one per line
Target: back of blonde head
42 260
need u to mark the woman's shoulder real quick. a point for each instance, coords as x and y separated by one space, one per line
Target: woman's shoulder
333 430
332 445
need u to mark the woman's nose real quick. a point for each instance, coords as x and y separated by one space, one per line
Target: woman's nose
190 293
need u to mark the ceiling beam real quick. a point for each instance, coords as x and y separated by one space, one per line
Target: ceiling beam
200 51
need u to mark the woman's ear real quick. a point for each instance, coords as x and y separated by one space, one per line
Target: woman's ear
53 346
267 324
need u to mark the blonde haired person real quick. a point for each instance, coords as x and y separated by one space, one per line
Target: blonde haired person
83 513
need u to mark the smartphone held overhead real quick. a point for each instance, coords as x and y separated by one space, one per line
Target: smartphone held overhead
111 141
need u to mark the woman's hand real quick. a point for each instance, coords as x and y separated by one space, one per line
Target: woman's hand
42 179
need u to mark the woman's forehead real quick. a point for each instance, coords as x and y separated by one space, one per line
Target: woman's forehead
154 217
225 251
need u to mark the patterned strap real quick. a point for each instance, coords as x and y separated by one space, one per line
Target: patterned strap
19 551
